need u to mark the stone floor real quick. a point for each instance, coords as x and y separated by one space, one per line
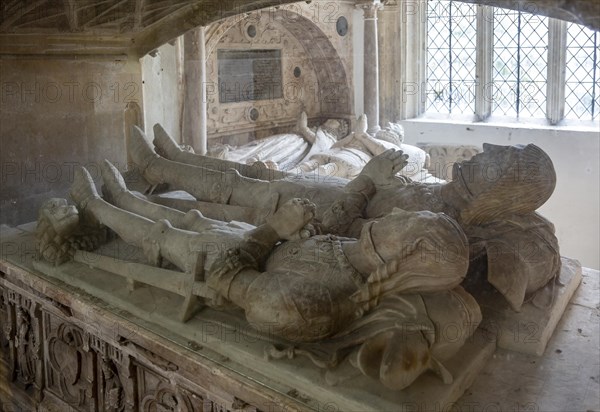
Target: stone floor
566 378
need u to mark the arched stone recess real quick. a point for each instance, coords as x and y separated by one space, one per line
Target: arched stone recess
314 76
334 85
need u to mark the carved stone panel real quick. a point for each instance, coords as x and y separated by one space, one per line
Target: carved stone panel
316 68
227 110
115 377
157 394
70 364
53 361
4 324
22 336
249 75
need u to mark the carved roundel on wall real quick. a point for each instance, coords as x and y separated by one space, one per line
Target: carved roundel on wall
253 114
251 31
297 72
342 26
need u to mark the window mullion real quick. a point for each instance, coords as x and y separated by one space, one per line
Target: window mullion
595 75
557 63
518 100
450 17
484 65
420 55
413 49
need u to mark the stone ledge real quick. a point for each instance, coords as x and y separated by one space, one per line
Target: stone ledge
530 330
226 338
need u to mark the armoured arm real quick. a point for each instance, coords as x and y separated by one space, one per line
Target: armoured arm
287 223
244 261
346 215
375 146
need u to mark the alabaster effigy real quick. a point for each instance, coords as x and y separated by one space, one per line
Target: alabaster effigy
328 151
364 273
492 197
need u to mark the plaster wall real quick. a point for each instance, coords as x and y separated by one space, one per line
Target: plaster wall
575 204
161 84
56 113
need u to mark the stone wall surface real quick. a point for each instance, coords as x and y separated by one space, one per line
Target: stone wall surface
54 114
307 36
308 39
162 89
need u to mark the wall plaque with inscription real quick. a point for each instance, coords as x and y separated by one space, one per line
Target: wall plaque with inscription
248 75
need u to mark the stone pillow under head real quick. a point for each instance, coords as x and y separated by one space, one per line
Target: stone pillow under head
417 160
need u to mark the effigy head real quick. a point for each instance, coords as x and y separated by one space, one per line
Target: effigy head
332 124
335 128
504 180
392 133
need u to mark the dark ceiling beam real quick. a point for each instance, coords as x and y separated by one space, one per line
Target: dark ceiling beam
55 45
159 10
104 13
11 7
116 23
157 15
39 20
161 5
199 13
94 4
71 13
154 23
10 20
139 10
